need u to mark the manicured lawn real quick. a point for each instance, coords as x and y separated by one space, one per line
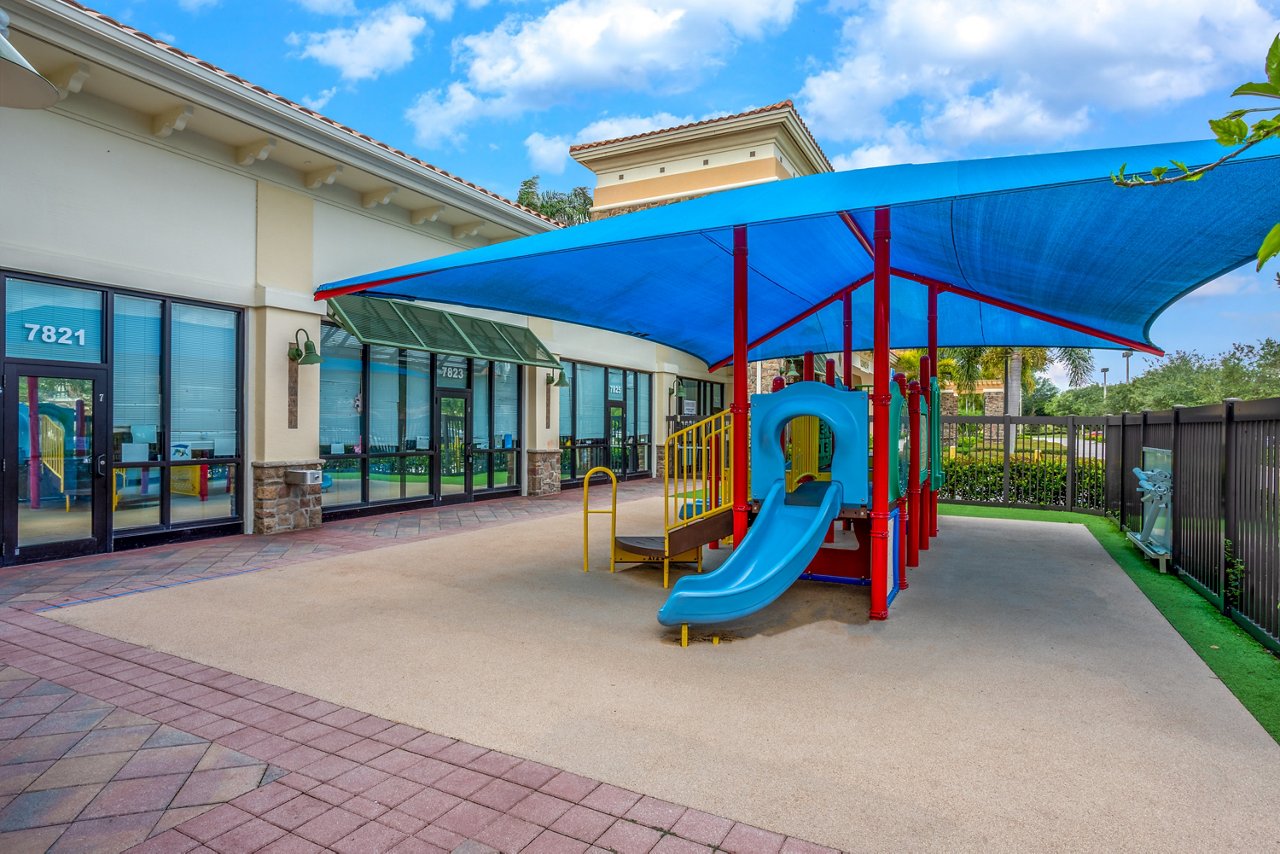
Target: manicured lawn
1248 670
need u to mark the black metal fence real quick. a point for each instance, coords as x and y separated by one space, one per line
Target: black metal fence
1225 516
1031 461
1225 521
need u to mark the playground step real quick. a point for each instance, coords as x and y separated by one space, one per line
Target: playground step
683 539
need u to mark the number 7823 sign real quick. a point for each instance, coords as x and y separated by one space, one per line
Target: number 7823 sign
47 334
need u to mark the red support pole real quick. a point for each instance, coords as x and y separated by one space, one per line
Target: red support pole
915 508
809 372
926 456
741 407
881 553
848 340
932 527
831 372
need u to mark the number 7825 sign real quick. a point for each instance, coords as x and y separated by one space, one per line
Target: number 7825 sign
55 334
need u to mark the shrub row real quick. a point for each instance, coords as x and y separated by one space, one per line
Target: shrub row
1041 482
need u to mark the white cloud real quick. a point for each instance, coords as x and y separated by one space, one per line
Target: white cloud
441 10
320 101
550 154
197 5
959 72
530 63
1238 283
999 114
380 43
613 127
891 148
328 7
547 153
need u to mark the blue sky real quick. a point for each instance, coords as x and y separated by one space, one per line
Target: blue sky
496 90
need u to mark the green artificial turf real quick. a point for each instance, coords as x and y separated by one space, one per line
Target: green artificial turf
1248 669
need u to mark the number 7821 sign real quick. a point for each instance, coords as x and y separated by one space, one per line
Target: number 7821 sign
55 334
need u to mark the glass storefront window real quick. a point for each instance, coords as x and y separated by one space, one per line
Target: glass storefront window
604 420
480 409
341 401
201 493
566 422
506 405
589 411
174 397
644 407
52 322
417 410
403 458
137 434
385 385
341 482
204 378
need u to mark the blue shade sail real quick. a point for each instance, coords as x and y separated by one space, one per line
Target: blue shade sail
1048 232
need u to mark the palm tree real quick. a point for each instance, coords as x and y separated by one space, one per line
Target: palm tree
974 363
571 208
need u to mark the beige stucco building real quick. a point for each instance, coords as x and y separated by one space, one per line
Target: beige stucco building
164 226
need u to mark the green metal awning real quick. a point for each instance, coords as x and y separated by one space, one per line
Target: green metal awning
416 327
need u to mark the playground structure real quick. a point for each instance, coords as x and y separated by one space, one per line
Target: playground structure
810 490
993 241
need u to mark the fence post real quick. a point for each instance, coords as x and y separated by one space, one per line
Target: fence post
1071 462
1228 493
1175 515
1120 497
1008 436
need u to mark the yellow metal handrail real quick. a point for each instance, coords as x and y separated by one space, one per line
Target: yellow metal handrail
587 511
53 449
697 459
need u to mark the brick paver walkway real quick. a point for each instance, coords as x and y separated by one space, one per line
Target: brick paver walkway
106 745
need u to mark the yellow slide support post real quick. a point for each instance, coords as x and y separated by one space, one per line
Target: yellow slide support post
587 511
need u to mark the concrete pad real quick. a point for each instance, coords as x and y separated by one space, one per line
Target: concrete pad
1023 694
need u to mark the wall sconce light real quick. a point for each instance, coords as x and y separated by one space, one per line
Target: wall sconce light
677 388
304 352
555 379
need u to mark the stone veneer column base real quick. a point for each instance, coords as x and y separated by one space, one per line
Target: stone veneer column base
278 506
544 473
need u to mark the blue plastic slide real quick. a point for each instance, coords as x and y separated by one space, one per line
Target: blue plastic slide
784 539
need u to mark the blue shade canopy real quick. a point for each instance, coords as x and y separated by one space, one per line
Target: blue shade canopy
1048 232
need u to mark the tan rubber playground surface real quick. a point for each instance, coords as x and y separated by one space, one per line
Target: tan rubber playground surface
1022 695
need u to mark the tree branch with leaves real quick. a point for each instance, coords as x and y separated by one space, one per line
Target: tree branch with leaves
1230 130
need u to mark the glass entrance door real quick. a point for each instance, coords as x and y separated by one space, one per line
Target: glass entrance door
55 483
617 447
454 445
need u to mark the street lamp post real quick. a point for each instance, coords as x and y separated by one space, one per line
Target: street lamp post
1128 354
1104 384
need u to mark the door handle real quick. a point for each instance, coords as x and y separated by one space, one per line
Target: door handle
100 466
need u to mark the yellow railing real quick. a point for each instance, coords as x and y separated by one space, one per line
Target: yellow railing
697 470
587 511
53 449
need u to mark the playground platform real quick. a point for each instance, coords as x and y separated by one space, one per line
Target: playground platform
1027 697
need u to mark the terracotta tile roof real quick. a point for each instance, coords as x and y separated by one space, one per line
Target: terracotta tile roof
772 108
283 101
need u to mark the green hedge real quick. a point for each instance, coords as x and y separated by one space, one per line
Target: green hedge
1040 482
